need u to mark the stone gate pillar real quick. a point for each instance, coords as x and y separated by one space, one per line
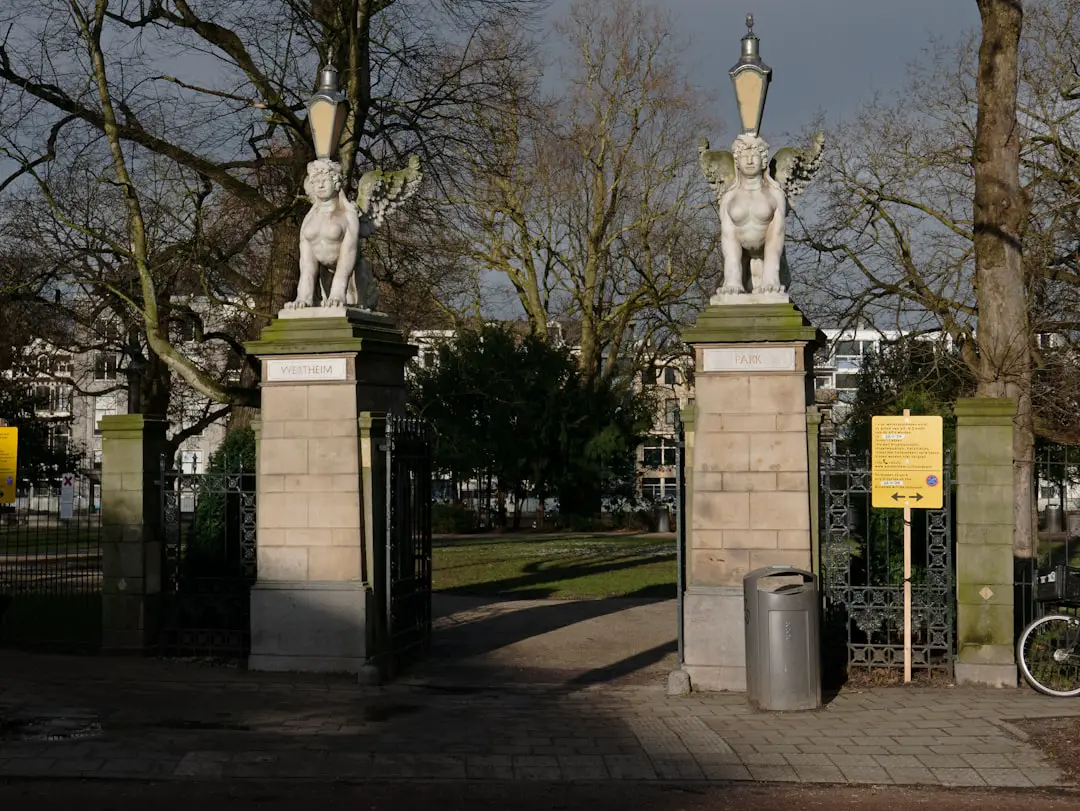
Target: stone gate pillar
131 536
749 481
324 371
984 542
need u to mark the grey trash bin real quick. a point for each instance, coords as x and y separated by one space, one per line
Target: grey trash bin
783 651
663 519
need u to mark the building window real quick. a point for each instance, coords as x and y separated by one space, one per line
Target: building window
63 365
669 375
105 366
848 349
59 438
659 452
823 382
847 381
648 376
651 488
42 398
671 409
189 461
103 407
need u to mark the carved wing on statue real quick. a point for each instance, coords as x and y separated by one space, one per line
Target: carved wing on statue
794 168
718 166
379 193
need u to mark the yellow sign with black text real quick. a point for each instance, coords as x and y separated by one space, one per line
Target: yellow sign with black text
907 462
9 453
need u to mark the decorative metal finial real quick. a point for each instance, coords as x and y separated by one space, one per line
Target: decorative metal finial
328 79
750 23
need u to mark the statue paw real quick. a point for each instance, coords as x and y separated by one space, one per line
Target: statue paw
334 301
731 289
296 304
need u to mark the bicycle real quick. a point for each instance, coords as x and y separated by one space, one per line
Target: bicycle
1048 650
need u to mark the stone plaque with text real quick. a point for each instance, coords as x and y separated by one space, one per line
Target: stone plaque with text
749 359
301 370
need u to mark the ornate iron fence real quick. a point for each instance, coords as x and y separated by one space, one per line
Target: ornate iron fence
1057 495
863 576
208 560
50 567
408 540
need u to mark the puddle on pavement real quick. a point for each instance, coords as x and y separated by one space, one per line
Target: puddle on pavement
48 728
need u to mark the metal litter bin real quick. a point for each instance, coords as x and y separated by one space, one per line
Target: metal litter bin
663 519
783 650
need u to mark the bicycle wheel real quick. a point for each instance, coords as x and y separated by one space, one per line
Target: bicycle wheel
1049 655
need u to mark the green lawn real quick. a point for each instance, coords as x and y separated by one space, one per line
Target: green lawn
24 540
558 567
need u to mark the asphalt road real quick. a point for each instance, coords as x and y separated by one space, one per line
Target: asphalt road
100 795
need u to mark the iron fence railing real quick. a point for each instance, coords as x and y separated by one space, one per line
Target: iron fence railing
1057 524
862 579
51 566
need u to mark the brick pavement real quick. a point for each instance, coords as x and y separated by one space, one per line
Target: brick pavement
123 718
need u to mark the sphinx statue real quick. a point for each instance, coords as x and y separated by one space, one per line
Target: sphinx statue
333 271
753 196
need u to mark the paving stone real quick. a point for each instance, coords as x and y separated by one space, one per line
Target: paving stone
489 767
536 767
958 777
891 762
820 774
811 759
866 774
919 777
630 767
985 761
194 767
676 768
1043 777
764 759
944 761
785 774
1004 777
583 767
721 770
24 767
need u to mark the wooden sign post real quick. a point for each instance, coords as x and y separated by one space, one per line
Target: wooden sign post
907 465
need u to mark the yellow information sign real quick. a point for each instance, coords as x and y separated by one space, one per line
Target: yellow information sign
9 452
907 462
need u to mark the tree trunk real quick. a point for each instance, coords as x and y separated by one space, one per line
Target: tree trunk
1004 368
282 276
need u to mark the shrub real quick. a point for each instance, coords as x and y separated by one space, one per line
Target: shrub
452 519
214 548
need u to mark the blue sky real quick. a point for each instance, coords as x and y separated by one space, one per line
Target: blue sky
826 55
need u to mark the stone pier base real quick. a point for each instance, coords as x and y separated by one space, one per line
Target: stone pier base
748 473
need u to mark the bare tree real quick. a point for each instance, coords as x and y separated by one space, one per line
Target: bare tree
205 165
591 206
943 211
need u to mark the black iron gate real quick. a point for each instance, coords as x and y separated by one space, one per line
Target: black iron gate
408 540
862 566
208 560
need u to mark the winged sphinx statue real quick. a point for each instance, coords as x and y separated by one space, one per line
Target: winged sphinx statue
330 256
754 196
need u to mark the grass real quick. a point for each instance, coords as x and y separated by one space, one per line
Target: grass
44 540
557 567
